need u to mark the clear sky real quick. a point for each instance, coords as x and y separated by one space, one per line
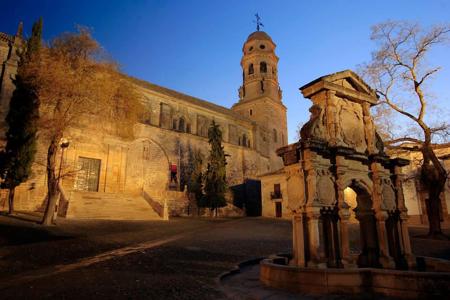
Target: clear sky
195 46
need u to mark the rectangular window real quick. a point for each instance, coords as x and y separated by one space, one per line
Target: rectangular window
88 174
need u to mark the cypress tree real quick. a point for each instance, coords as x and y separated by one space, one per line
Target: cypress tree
215 177
195 184
17 158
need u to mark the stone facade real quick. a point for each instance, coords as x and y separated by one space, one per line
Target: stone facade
340 150
10 45
101 169
354 123
415 194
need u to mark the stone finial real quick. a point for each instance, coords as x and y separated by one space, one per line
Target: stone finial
19 29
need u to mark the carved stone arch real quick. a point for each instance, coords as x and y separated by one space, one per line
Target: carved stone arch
244 140
263 67
149 171
182 124
251 69
363 182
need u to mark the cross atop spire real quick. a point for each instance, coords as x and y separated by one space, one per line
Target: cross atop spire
258 22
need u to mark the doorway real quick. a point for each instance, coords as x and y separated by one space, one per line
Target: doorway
88 174
278 209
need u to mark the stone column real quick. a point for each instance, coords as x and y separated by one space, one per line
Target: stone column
380 215
344 216
385 259
402 227
298 239
316 248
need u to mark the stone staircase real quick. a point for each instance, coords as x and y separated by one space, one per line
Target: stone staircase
111 206
175 201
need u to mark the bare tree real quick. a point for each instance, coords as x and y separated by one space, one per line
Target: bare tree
73 83
399 73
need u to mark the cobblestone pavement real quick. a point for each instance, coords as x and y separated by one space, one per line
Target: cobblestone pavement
179 259
185 265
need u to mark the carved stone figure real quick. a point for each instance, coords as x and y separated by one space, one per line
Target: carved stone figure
369 128
388 194
313 128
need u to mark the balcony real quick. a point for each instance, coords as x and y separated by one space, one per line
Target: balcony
276 195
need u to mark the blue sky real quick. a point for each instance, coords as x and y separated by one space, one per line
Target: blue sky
195 46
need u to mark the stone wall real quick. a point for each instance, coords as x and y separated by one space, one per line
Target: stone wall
9 47
130 167
269 197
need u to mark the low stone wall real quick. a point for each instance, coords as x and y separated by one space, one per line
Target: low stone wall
401 284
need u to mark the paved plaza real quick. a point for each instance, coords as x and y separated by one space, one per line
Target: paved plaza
179 259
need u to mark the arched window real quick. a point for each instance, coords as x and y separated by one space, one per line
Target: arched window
251 112
244 140
250 69
181 124
188 127
263 67
174 124
275 137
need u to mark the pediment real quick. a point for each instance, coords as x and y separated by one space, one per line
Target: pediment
346 83
350 80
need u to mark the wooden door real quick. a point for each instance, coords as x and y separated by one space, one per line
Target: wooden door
278 209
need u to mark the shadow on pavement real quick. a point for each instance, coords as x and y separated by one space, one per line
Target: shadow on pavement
18 235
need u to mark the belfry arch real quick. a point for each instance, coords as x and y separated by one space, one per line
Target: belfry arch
339 153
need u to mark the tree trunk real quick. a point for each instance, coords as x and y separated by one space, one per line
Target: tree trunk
11 200
433 177
52 182
433 211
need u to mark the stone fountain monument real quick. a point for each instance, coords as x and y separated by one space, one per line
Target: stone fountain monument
340 150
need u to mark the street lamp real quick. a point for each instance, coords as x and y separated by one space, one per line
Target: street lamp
64 143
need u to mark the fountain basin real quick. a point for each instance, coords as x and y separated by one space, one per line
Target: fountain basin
275 272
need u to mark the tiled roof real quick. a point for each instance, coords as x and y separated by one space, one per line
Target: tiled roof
187 98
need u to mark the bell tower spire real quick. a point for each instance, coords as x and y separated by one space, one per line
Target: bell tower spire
260 94
259 68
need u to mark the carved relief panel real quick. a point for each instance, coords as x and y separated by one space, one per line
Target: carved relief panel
325 187
295 187
351 124
165 116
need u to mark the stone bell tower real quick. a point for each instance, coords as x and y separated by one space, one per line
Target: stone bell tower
260 96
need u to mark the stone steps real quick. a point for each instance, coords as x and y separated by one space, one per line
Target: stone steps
93 205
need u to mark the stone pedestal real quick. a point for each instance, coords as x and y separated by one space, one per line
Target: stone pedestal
298 238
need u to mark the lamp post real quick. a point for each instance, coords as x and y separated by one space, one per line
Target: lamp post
64 143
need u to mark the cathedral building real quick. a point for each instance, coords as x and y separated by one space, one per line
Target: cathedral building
109 177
